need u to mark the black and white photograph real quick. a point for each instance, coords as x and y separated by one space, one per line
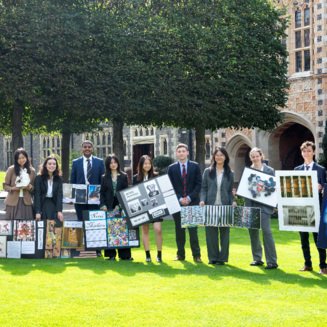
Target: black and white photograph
298 200
152 188
134 206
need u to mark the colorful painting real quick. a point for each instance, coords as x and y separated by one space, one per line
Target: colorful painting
24 230
117 232
53 240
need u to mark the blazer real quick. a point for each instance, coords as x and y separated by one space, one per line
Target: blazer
77 175
321 173
193 181
40 192
209 188
264 208
13 196
107 196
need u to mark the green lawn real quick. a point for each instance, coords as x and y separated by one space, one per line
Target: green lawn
96 292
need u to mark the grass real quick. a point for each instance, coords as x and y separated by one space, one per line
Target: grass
96 292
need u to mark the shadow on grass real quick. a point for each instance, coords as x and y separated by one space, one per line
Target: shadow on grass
130 269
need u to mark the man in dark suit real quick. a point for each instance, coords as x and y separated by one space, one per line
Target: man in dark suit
308 151
186 179
87 169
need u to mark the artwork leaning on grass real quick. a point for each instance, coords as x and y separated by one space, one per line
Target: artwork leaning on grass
221 216
109 230
258 186
298 200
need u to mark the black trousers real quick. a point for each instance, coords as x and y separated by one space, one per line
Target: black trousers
181 238
123 254
306 250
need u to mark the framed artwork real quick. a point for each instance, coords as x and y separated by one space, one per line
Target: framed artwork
298 200
149 201
258 186
52 240
72 235
95 234
5 227
81 193
24 230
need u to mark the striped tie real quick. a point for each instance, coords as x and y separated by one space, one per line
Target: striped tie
88 170
184 180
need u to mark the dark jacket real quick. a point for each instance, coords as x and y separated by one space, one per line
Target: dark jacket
107 197
209 188
193 181
40 192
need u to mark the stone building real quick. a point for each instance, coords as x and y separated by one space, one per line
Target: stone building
304 115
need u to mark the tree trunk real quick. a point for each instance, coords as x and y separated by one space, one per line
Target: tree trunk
118 141
65 154
17 125
200 146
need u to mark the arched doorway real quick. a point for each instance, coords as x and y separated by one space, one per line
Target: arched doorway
285 142
238 149
289 145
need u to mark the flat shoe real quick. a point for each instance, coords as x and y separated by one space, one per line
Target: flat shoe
271 266
197 260
306 268
257 263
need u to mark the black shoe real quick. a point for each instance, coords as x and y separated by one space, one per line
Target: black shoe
271 266
257 263
159 260
212 262
220 263
99 254
112 259
127 259
178 258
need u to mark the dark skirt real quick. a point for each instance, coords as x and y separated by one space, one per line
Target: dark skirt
49 211
20 211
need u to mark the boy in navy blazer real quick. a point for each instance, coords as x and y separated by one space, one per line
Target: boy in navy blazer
308 151
186 179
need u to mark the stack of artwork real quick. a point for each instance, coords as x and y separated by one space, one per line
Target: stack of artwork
21 239
149 201
81 193
220 216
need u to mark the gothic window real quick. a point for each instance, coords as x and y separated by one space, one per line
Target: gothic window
302 38
136 132
147 132
125 148
165 147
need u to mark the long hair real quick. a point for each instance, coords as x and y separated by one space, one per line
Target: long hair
140 173
213 165
44 171
27 164
108 161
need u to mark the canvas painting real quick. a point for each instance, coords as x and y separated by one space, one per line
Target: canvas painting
117 232
24 230
53 240
72 235
6 227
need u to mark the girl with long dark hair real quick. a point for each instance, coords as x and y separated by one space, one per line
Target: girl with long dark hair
217 187
48 192
113 181
144 173
19 183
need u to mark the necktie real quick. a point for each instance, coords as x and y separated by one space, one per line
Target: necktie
184 180
88 170
307 167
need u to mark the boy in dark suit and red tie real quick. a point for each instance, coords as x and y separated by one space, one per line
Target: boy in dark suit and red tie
186 179
308 151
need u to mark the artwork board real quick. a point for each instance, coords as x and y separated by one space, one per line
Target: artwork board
81 193
72 235
298 200
258 186
149 201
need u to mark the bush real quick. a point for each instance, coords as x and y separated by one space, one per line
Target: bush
161 164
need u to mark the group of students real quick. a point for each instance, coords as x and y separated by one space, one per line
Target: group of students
214 187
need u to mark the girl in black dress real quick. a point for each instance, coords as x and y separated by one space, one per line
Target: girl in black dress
144 173
112 181
48 192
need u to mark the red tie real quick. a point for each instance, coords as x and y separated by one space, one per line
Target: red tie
184 180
